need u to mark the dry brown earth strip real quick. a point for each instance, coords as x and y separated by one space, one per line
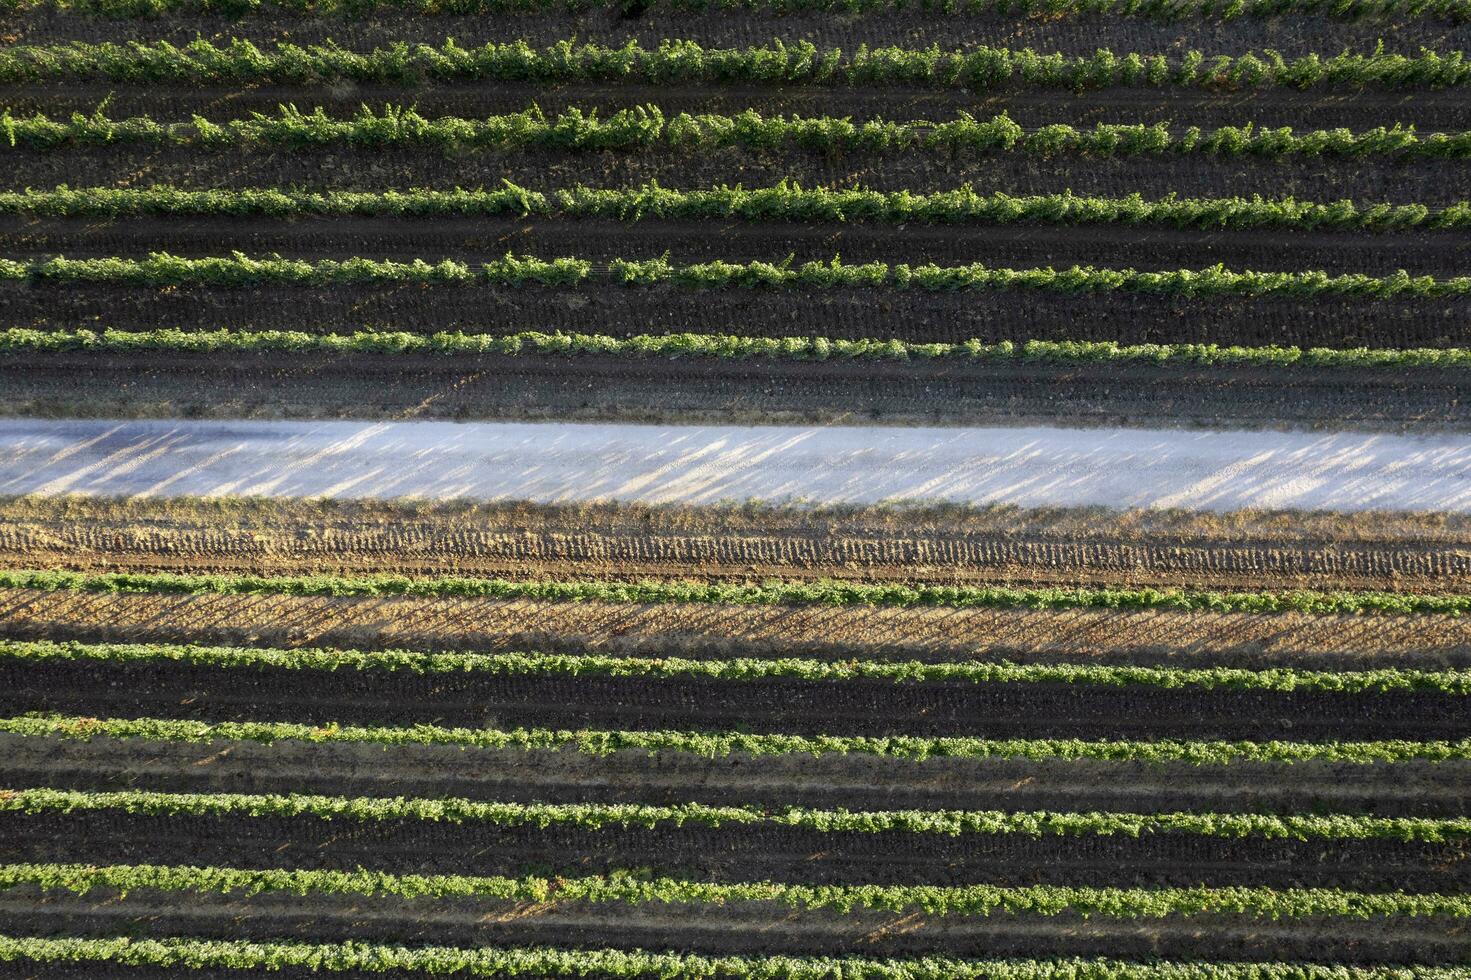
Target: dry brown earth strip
1101 636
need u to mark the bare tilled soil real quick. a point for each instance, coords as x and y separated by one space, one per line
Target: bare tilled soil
777 705
1443 253
854 781
1024 636
733 928
602 307
1430 182
734 852
1080 35
1008 545
586 388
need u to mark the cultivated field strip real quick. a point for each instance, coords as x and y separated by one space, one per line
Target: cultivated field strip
295 380
1038 308
577 625
570 809
288 738
872 698
1385 778
1285 138
1001 545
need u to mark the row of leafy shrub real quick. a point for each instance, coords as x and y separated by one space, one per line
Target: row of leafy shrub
785 201
183 954
722 744
594 816
679 62
163 269
821 593
634 888
647 127
1452 682
814 349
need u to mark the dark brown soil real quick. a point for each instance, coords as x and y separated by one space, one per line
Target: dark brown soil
731 852
1075 35
854 781
724 392
1428 111
1431 182
1017 315
799 707
480 239
744 928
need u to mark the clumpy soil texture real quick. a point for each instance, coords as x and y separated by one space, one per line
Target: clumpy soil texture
1002 544
589 388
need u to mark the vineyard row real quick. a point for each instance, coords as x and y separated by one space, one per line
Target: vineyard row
1281 679
634 889
769 594
812 349
595 816
163 269
646 127
782 202
678 62
723 744
196 954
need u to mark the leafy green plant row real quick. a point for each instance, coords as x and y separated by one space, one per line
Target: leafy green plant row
721 744
783 202
1281 679
201 954
634 888
18 339
594 816
678 62
163 269
768 594
1456 11
647 127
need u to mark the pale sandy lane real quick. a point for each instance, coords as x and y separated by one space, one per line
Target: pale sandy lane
1210 470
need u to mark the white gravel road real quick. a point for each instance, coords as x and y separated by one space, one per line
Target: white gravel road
1208 470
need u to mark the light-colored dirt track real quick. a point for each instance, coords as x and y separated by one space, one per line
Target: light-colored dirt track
1214 471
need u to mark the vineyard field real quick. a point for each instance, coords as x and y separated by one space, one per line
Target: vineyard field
735 489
